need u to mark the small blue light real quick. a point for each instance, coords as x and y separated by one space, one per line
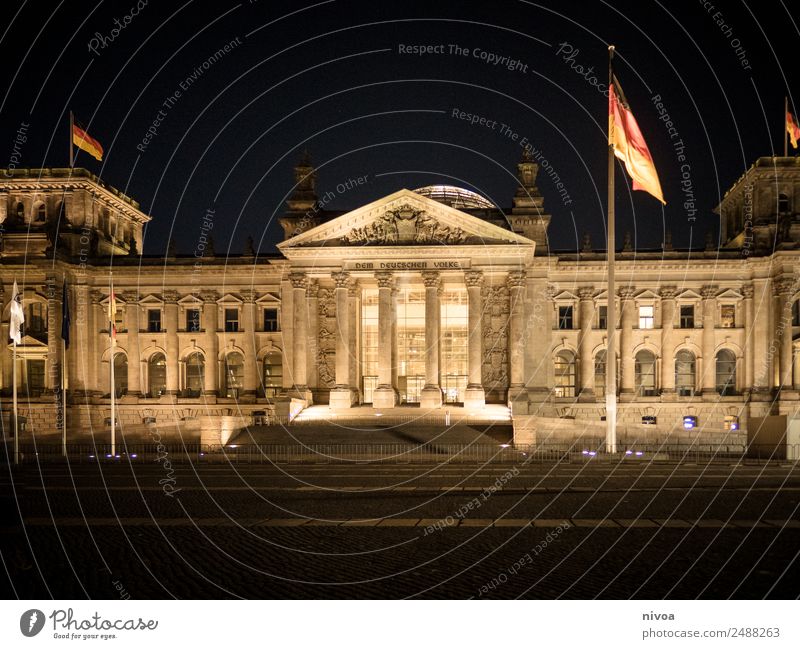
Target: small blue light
639 453
628 452
592 453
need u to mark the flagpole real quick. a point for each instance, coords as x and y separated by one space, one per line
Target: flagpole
14 398
71 148
785 124
63 399
611 309
113 391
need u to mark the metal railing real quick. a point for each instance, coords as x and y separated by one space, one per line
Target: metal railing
396 454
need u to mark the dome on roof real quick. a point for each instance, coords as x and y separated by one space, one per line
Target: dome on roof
455 197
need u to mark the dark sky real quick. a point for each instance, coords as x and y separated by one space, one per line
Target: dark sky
330 76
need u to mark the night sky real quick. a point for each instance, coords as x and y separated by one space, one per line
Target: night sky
331 77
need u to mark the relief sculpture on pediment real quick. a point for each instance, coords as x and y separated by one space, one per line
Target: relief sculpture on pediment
404 225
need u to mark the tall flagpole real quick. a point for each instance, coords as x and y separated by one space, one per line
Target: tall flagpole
14 395
63 399
611 309
785 123
71 147
113 391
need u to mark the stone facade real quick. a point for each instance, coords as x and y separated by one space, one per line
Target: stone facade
411 299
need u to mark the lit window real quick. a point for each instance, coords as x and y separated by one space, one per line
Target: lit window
726 372
728 316
646 317
565 317
684 373
645 373
231 320
564 374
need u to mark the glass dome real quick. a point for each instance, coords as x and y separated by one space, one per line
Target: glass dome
456 197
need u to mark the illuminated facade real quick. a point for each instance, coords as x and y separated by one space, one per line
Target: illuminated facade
427 298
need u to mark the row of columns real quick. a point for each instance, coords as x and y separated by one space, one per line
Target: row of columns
668 296
345 393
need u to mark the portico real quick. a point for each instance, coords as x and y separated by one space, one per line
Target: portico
419 330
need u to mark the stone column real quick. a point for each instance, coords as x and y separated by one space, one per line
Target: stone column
783 327
709 294
342 395
763 342
385 396
249 344
300 337
53 364
211 379
627 317
395 360
516 346
97 314
475 396
354 343
432 392
668 294
312 295
3 333
749 334
171 326
132 324
586 315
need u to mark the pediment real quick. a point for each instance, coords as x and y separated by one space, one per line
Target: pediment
190 301
270 299
229 298
729 294
689 294
404 218
565 296
647 294
29 344
151 300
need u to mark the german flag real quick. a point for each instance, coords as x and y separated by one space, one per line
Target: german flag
629 144
792 129
84 141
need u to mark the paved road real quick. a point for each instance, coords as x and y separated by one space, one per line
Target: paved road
647 530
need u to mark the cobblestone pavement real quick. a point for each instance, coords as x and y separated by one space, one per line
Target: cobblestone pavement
648 530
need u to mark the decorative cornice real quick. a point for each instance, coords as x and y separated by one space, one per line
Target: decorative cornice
170 297
747 291
313 289
626 292
248 296
585 293
209 297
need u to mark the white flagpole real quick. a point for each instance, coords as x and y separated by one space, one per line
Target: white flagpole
113 391
14 393
63 398
611 309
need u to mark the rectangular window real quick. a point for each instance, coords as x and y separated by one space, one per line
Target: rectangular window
602 318
192 319
687 316
565 317
154 320
728 316
646 317
271 320
35 324
231 320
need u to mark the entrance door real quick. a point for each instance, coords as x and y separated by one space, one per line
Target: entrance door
370 383
410 388
454 386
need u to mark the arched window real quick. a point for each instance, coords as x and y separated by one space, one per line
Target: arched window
195 374
41 213
273 374
120 374
20 211
684 373
645 368
157 375
783 203
796 313
726 372
565 374
600 374
234 374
